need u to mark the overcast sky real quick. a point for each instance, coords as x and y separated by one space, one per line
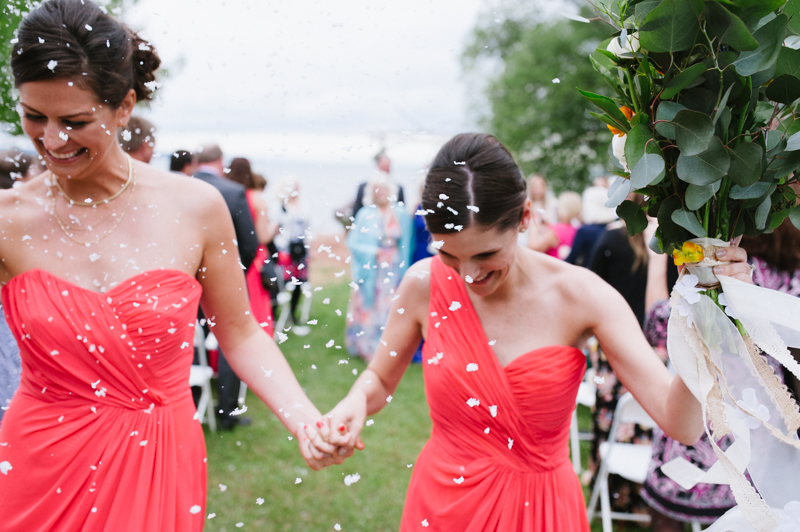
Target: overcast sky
309 78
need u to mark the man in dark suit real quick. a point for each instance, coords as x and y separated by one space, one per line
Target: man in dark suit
384 165
211 170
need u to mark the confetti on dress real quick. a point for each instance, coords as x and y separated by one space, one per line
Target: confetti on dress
458 480
472 367
195 509
455 305
472 402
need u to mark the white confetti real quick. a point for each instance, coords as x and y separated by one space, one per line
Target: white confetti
486 431
195 509
326 301
493 410
351 479
370 422
392 353
455 305
472 402
599 380
239 524
63 136
282 337
298 480
389 399
89 28
267 373
337 526
5 467
424 522
492 342
143 443
238 411
259 501
444 197
330 343
52 65
339 274
473 208
26 237
468 279
472 367
223 487
459 480
510 443
437 244
401 310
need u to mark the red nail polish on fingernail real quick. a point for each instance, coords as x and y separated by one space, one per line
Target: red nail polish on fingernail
320 424
305 427
342 428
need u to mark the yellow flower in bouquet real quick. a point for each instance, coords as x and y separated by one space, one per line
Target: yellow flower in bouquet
628 112
690 252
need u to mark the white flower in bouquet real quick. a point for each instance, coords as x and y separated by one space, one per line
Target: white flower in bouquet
750 404
687 287
618 147
624 45
728 310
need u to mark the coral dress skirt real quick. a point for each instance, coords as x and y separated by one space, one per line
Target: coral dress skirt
101 434
498 456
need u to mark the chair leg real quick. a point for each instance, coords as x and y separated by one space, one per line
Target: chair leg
696 526
605 505
575 443
242 392
212 418
202 404
590 510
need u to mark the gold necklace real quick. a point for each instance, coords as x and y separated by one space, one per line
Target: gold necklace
100 237
95 203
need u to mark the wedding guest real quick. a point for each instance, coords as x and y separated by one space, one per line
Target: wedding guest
138 138
556 239
13 163
210 169
543 202
384 165
595 218
292 242
502 368
182 162
101 433
240 172
380 246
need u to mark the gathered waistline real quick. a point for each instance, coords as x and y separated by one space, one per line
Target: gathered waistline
506 463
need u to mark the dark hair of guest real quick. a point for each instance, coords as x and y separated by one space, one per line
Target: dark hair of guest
77 40
241 172
473 180
179 160
780 248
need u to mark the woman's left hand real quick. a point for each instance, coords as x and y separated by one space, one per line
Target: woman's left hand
738 267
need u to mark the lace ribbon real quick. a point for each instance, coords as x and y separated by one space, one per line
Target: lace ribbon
740 395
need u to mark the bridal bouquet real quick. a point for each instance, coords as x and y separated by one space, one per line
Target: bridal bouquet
706 127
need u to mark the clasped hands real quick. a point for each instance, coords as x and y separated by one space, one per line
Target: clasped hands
336 436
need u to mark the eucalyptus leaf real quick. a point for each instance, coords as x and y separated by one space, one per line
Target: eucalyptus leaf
762 212
793 144
763 77
636 142
728 28
722 107
618 191
644 8
775 142
693 132
763 113
634 216
784 164
788 62
682 80
745 166
770 38
688 220
794 216
706 167
697 196
756 190
672 234
792 8
671 27
649 169
664 115
784 89
752 11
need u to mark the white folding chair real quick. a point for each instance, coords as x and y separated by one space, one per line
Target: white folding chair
586 397
285 302
200 375
628 460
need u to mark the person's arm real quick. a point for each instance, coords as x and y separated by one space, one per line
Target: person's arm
265 229
541 237
376 384
251 353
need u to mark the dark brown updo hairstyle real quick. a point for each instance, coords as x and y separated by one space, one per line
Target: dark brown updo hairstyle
75 39
241 172
780 248
473 180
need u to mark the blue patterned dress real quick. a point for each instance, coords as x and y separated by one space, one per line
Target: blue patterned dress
10 364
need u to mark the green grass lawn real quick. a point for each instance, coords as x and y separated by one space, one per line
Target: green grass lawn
260 461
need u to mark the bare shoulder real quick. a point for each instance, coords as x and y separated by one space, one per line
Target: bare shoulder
190 194
417 280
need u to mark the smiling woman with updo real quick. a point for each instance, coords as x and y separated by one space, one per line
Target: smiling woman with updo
103 261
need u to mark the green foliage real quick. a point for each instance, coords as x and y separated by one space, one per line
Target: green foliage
714 142
545 124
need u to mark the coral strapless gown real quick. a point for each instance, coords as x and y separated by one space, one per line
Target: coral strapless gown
498 457
101 434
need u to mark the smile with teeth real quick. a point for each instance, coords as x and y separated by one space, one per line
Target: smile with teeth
65 156
481 279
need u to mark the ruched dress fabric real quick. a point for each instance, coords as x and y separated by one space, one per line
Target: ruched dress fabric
498 456
101 434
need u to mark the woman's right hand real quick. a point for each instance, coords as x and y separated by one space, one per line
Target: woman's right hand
345 423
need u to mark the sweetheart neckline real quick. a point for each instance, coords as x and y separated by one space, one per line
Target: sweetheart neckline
524 355
121 284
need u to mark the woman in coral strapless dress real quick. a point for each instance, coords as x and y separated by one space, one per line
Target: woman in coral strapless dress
501 326
103 261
